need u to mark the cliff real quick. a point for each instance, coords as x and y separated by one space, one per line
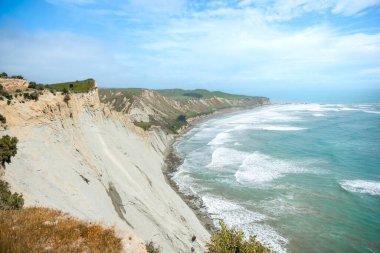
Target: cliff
171 109
88 158
92 162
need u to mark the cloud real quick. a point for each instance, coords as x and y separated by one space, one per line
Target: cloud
57 56
352 7
170 43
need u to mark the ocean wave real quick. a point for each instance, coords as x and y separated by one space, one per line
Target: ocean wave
373 112
318 115
220 139
226 156
246 220
280 128
260 168
361 186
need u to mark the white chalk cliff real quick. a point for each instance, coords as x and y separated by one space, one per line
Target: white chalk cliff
83 158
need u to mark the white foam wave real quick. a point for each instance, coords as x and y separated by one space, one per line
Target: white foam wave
373 112
281 128
260 168
248 221
361 186
220 139
318 115
226 156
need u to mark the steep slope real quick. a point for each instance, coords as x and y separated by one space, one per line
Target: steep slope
81 157
171 108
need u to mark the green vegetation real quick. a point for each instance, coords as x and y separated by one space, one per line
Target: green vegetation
179 94
4 93
37 229
171 108
144 125
3 74
31 96
9 200
37 86
77 86
151 247
8 148
231 240
67 98
3 119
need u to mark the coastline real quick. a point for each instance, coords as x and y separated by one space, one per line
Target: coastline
173 160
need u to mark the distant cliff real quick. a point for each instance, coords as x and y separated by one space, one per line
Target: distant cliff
172 108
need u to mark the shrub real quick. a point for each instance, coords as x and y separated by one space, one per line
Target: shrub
18 90
32 85
3 119
5 93
9 102
8 148
231 240
18 77
31 96
193 238
67 98
8 200
151 247
36 230
3 74
143 125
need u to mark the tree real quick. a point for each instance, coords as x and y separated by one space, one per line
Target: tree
9 200
231 240
3 74
8 148
3 119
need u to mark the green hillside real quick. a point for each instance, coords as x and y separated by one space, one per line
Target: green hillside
180 94
76 86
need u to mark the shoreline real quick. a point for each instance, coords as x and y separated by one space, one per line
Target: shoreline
172 161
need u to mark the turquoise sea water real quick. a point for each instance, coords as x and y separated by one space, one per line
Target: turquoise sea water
302 177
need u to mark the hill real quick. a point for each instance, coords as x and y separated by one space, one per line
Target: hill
173 108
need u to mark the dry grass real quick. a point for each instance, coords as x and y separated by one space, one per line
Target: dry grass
35 230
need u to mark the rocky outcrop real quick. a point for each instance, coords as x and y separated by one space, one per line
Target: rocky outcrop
13 84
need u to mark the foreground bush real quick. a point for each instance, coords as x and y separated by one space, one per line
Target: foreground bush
231 240
8 148
35 230
152 248
8 200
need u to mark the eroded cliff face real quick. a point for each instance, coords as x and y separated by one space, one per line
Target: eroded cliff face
150 106
84 158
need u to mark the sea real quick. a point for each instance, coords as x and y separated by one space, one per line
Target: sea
300 177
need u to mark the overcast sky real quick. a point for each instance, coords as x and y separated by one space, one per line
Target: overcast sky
273 47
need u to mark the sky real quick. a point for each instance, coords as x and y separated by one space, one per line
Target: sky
286 49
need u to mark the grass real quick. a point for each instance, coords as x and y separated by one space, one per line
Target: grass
35 230
179 94
76 86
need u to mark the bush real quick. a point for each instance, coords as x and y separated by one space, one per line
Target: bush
231 240
18 77
8 200
67 98
3 119
151 247
8 148
3 74
32 85
143 125
31 96
5 93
